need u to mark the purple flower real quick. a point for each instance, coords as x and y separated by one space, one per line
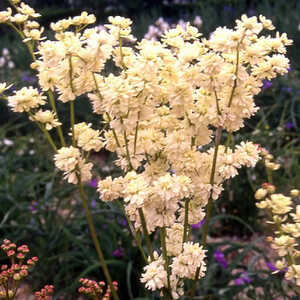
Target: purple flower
289 125
199 224
251 12
118 253
33 206
228 9
220 258
243 279
273 268
287 89
123 222
267 84
93 183
239 281
28 78
93 203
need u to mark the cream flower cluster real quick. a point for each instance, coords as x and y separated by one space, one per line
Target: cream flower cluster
26 99
24 20
87 138
46 117
192 257
287 223
29 99
184 265
70 161
155 275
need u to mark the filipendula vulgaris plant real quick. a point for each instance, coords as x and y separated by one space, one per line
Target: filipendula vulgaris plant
283 213
165 113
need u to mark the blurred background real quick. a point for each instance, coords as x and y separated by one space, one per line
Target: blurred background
37 208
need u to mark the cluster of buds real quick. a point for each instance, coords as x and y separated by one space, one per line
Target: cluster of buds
18 269
269 160
265 189
286 220
96 290
45 293
23 18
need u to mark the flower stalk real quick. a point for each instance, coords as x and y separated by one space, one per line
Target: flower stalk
95 240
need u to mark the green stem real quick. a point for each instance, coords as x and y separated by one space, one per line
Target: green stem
136 133
107 114
58 128
228 140
95 239
4 97
216 98
139 243
126 147
236 71
22 36
45 132
186 221
72 113
72 116
136 235
209 205
121 52
71 73
211 181
269 175
49 138
167 292
114 133
146 233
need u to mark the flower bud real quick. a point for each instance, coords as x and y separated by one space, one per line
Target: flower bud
17 276
294 193
262 204
272 166
271 188
10 294
280 264
23 273
11 253
260 194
